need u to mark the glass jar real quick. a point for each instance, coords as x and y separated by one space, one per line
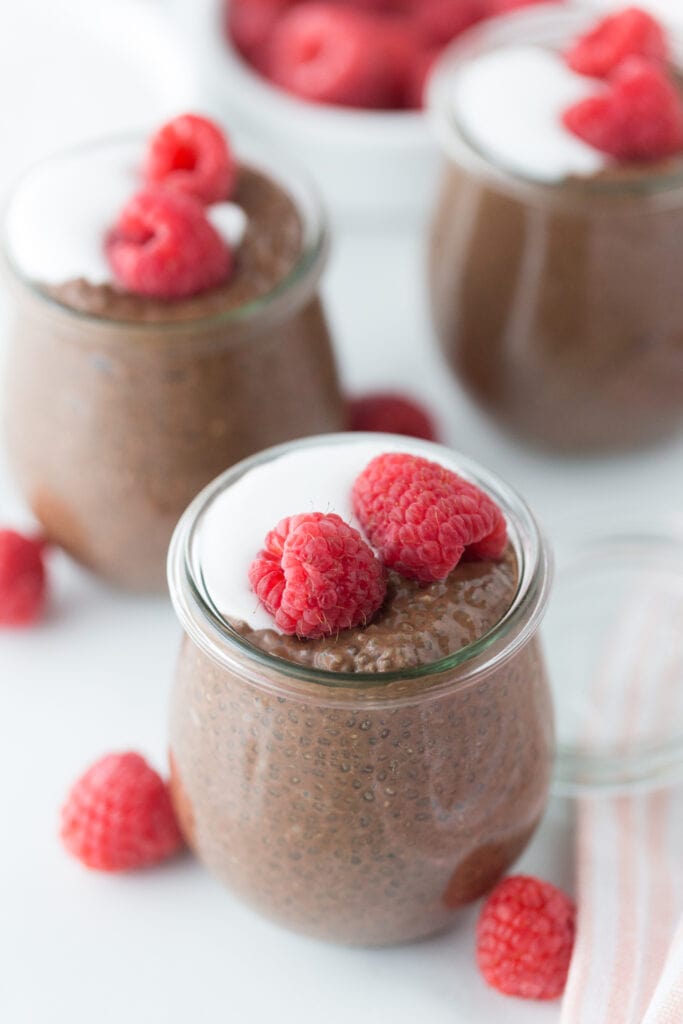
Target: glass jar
558 305
360 808
114 425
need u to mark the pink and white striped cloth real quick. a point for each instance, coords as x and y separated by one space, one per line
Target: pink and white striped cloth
628 960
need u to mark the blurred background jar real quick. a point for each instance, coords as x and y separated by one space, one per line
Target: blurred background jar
556 303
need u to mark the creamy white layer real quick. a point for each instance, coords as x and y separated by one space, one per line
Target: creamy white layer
509 106
62 210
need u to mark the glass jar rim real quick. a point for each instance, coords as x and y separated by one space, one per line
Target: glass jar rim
205 625
286 173
542 24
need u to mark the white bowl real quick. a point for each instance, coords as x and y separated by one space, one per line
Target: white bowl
379 166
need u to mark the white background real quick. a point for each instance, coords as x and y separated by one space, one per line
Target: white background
171 945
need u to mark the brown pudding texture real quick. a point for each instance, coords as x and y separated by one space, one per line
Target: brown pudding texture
116 419
368 814
559 307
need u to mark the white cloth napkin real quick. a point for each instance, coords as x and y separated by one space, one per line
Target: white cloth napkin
627 966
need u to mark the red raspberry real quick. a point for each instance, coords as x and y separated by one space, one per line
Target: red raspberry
22 579
440 21
390 413
317 576
421 517
164 247
118 816
525 938
191 154
628 33
638 117
329 54
250 24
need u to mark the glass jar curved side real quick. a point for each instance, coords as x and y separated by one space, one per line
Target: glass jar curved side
357 808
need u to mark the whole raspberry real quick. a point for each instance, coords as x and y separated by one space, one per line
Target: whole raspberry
639 116
118 816
317 576
421 517
628 33
525 938
329 54
390 413
191 155
164 247
22 579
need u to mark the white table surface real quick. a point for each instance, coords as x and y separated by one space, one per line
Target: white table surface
171 945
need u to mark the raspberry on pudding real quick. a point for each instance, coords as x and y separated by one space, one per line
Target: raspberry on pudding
168 324
163 246
559 220
192 155
361 727
317 576
615 38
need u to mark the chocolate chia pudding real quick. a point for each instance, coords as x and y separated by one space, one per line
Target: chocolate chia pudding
120 407
267 254
555 301
364 787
